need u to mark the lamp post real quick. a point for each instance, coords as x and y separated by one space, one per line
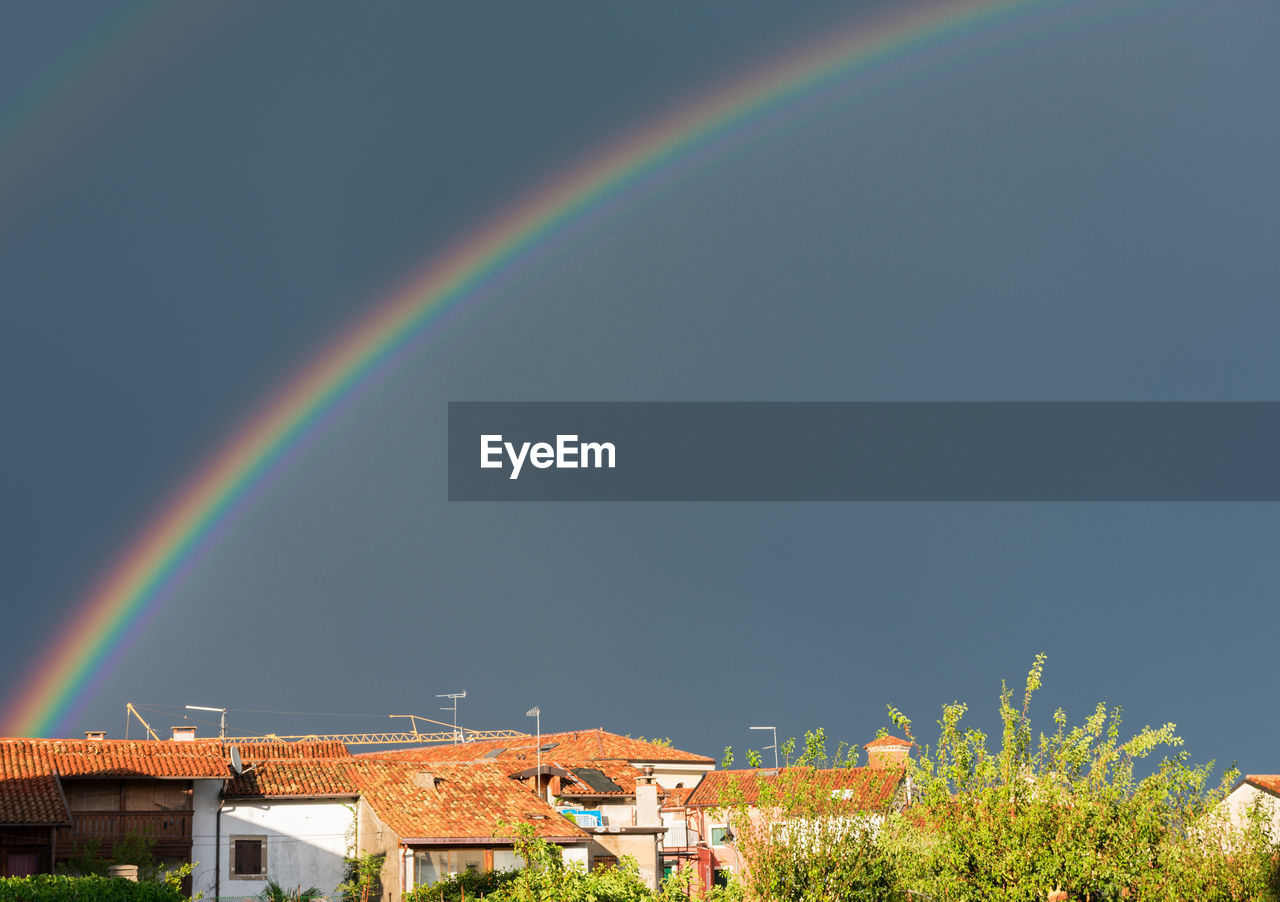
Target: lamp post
775 743
536 713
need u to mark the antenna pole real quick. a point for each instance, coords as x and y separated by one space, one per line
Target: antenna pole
536 713
454 696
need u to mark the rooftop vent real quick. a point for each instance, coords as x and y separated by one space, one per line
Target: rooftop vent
425 779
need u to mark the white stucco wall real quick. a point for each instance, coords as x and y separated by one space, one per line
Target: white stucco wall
580 854
306 843
204 824
668 775
1243 797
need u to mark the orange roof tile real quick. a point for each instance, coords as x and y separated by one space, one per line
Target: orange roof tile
1269 782
573 745
32 801
462 801
294 777
111 758
867 787
259 750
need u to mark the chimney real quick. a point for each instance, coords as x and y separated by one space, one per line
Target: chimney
888 752
95 735
647 800
183 734
425 779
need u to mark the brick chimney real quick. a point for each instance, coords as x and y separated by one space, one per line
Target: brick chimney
888 752
183 734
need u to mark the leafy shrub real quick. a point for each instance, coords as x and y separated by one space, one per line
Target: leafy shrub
51 888
467 885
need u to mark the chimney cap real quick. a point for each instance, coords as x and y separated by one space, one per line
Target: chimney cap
183 733
95 735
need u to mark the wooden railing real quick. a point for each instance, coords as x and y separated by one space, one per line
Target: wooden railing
114 825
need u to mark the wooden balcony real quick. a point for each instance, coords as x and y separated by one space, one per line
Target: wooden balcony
171 830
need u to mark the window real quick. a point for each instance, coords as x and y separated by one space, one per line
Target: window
506 860
721 878
248 858
719 836
430 865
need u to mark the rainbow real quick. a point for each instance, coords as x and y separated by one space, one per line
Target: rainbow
399 325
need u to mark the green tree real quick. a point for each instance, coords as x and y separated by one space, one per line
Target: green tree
1079 811
363 877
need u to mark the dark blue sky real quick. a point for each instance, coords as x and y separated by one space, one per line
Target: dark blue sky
1086 213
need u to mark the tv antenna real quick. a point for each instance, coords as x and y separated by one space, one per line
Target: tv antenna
454 696
222 726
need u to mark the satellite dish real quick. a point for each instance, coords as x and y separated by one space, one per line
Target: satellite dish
237 764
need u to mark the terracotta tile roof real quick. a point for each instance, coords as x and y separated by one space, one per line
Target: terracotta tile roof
574 745
32 801
1269 782
461 801
891 742
297 777
260 750
111 758
866 787
468 800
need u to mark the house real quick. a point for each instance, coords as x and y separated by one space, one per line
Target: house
611 785
59 797
246 812
701 829
295 820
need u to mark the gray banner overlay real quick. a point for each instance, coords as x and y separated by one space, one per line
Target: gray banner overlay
864 451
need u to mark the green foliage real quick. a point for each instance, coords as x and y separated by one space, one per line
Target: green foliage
800 842
664 741
814 753
85 861
684 886
363 879
546 878
135 848
274 892
1085 810
1071 811
50 888
466 885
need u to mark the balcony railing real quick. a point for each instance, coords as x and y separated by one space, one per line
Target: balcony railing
115 825
680 836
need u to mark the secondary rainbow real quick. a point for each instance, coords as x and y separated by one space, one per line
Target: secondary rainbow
118 605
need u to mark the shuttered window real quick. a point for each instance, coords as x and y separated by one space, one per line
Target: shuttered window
248 856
